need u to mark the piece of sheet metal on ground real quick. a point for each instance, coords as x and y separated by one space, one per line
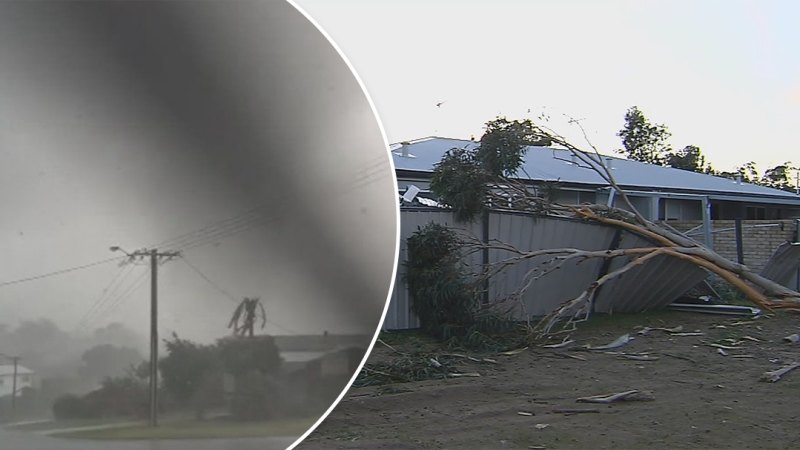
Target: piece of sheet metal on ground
652 285
783 265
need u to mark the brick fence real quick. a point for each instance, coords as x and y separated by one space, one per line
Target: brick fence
760 238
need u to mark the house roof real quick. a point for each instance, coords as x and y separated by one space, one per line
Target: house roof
8 370
553 164
320 342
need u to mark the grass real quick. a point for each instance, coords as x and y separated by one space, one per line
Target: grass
209 429
62 424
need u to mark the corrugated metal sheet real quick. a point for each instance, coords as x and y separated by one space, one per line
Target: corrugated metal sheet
783 265
529 233
652 285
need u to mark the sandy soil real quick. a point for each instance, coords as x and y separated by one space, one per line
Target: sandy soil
702 399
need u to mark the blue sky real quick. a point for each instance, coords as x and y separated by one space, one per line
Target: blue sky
723 75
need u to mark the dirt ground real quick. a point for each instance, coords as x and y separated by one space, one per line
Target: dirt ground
701 399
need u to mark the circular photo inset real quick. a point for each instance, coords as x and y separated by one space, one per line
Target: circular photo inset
199 224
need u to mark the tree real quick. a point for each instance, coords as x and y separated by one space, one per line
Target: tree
688 158
763 292
643 141
437 282
504 143
192 374
462 178
252 362
245 315
778 177
108 360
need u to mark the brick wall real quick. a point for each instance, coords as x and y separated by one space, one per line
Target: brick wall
760 238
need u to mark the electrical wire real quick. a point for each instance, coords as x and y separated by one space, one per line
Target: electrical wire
208 280
59 272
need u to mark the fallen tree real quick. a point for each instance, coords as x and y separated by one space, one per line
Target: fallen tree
472 180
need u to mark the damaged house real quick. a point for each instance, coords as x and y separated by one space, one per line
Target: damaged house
709 209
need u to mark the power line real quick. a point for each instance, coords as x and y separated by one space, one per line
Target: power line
113 304
106 293
59 272
256 216
208 280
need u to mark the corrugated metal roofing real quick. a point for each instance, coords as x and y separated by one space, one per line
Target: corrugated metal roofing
783 265
549 164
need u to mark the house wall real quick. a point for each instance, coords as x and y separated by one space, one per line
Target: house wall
760 238
7 383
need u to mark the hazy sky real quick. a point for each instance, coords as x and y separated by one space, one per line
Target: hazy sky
723 75
130 123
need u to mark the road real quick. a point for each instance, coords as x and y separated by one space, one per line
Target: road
23 440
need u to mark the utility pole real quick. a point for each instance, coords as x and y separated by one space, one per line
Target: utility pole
154 258
14 387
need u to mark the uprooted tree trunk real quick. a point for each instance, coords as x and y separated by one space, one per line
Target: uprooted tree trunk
515 195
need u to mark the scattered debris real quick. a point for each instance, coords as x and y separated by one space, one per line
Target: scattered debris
638 357
694 333
775 375
525 413
468 374
633 395
722 352
570 411
563 344
717 309
472 358
750 338
617 343
644 331
567 355
541 426
722 347
742 322
792 338
435 363
513 352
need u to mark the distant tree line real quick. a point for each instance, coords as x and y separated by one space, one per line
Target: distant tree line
649 143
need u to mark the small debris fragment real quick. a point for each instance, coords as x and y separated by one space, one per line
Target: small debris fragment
722 352
750 338
561 345
723 347
792 338
468 374
619 342
541 426
633 395
694 333
775 375
525 413
513 352
435 363
576 411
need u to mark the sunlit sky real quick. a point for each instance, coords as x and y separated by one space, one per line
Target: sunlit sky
722 75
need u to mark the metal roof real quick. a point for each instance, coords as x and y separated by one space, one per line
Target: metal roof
553 164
